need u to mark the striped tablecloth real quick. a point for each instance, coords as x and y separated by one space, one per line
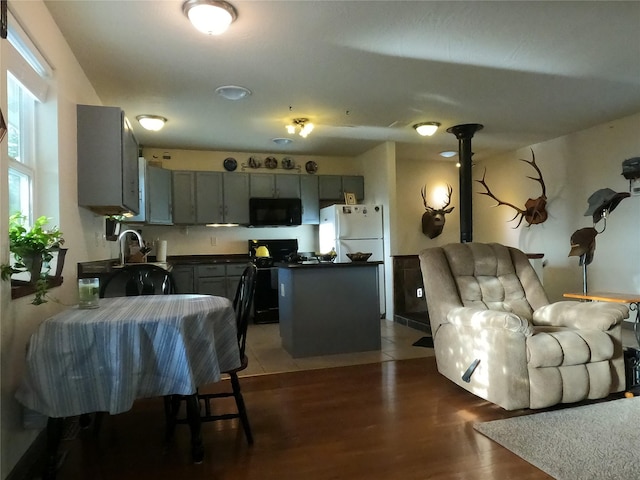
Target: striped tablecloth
101 360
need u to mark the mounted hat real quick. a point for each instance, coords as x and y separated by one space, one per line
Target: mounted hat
583 244
604 199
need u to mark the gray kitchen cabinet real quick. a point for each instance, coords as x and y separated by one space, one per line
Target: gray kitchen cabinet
310 200
184 197
158 196
107 161
183 276
218 279
236 197
269 185
155 195
211 280
209 197
354 184
333 187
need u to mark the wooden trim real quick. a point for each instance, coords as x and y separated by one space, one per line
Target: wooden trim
606 297
21 289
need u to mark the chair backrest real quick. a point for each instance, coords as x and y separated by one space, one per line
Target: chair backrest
138 279
487 276
242 304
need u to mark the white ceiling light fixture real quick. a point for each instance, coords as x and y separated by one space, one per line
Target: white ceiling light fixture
426 129
302 125
233 92
212 17
151 122
448 153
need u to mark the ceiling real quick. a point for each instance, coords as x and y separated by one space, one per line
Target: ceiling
362 71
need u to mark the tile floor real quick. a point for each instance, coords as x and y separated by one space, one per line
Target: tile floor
266 355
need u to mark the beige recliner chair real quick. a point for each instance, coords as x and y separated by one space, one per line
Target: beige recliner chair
488 309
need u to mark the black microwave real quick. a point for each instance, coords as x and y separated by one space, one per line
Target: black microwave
275 212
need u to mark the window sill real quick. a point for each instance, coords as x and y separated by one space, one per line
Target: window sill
21 288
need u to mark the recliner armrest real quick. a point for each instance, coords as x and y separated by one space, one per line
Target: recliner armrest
581 315
480 319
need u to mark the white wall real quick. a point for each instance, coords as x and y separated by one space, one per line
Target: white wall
18 318
574 166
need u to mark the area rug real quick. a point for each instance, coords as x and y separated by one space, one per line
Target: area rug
599 441
424 342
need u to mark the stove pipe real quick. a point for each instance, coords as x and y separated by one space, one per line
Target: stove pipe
464 134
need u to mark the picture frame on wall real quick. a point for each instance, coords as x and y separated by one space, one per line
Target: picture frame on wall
350 198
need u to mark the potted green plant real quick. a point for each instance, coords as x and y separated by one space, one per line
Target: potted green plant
32 250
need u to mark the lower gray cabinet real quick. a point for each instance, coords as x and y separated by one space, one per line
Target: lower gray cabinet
183 277
216 279
211 280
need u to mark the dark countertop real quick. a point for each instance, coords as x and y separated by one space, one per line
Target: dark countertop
106 266
326 265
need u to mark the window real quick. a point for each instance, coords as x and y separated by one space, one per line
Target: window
21 147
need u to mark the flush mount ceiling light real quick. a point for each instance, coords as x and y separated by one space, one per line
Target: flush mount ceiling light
448 154
426 129
151 122
301 125
282 141
233 92
212 17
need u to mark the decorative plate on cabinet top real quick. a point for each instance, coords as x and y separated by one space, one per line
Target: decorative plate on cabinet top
254 162
311 167
288 163
230 164
271 162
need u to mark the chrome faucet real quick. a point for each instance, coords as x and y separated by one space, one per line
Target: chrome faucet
122 235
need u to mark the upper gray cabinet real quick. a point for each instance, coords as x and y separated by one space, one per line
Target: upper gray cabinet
155 195
333 187
107 161
158 196
269 185
236 197
209 198
184 197
310 199
201 198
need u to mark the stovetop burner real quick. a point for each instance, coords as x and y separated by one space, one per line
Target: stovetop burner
279 249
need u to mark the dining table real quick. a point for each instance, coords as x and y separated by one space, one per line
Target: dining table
83 361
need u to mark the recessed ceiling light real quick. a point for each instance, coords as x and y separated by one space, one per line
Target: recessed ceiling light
282 141
233 92
151 122
448 153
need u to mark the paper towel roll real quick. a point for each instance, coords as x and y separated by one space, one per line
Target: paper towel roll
161 253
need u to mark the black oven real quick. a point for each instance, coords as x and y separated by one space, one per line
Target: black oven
265 300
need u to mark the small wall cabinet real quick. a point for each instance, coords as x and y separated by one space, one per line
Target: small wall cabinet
107 161
333 187
155 195
268 185
210 197
310 200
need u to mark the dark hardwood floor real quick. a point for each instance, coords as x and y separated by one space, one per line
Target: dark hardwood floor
391 420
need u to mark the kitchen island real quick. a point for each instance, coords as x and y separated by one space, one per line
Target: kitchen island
329 308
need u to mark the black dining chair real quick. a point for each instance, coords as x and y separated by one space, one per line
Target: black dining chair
242 306
138 279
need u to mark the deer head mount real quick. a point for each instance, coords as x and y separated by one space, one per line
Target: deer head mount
433 219
534 211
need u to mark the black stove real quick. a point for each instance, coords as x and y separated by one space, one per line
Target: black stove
265 302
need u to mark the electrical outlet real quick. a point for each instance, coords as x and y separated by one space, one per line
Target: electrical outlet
214 241
419 292
282 290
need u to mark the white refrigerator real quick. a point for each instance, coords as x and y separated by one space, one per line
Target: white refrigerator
351 229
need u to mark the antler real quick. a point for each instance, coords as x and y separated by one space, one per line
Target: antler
539 179
449 192
423 191
490 194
